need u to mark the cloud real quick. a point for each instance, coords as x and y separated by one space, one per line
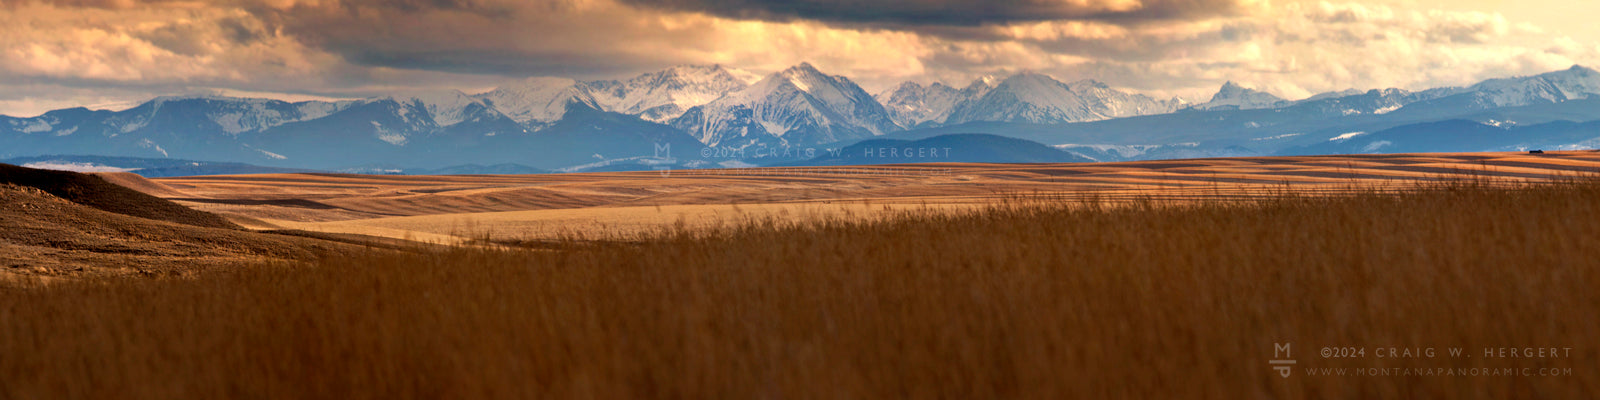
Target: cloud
56 52
90 53
358 48
951 12
148 45
509 38
587 39
1299 49
609 38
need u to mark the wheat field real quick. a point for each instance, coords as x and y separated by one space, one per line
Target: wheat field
1032 298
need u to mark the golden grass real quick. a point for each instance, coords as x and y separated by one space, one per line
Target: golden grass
1023 300
453 209
45 238
606 222
330 197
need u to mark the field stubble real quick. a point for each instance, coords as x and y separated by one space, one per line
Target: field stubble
1029 299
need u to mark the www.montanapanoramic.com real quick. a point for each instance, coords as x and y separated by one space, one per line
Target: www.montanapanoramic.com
1445 372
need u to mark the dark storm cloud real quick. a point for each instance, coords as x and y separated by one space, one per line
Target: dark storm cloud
519 38
500 37
198 38
98 4
915 13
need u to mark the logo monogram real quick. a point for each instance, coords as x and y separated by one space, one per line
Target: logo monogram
1285 360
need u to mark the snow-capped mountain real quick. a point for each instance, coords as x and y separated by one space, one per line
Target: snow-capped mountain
1574 83
1110 103
663 95
979 87
540 101
1371 102
799 106
912 104
1235 97
554 123
443 107
657 96
1038 98
228 114
162 127
401 118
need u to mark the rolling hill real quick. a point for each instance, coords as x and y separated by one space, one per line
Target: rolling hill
94 192
57 224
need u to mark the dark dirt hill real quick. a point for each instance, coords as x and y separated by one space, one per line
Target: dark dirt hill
44 237
95 192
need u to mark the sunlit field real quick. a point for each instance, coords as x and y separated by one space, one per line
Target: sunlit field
1030 298
452 209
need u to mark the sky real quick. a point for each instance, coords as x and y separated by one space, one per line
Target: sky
114 53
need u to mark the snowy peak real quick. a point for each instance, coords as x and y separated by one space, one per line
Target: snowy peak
801 69
1106 102
1576 80
798 106
835 93
1037 88
711 74
1574 83
904 89
231 115
1229 90
1235 97
539 101
807 78
663 95
911 104
979 87
444 107
1038 98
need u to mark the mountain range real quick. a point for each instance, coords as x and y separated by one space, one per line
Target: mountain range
691 116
